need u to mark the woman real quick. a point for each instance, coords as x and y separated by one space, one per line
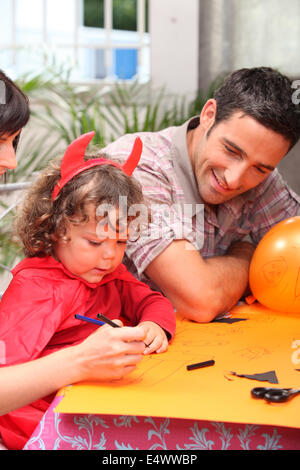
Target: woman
14 115
106 354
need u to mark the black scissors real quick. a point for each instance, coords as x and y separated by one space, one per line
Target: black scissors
274 395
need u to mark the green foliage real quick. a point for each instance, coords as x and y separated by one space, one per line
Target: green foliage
10 248
93 13
124 14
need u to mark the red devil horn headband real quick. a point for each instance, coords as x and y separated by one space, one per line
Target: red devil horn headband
73 161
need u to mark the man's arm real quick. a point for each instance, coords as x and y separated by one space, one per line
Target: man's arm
201 288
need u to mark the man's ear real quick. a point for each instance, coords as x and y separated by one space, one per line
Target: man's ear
208 114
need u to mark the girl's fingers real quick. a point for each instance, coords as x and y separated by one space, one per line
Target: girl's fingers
154 345
163 347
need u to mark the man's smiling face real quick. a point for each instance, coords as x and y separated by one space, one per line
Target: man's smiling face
233 156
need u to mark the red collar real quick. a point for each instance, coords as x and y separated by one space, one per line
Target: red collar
49 262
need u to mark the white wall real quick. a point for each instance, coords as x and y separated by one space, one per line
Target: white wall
266 32
174 29
248 33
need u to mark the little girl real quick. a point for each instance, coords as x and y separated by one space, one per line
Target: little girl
73 266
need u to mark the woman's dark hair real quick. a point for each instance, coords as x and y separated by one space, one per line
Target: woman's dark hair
41 222
263 94
14 108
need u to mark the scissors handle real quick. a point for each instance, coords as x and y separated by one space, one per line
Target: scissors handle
274 395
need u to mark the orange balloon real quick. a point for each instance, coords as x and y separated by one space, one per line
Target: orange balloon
274 275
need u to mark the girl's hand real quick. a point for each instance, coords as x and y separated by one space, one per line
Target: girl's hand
155 337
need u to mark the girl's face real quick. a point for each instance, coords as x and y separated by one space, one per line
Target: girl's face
87 254
7 153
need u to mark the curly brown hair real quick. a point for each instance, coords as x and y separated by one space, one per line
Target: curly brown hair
40 222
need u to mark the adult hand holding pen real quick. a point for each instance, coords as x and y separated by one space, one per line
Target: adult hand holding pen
156 338
110 353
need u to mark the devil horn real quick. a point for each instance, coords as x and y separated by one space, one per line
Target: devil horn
134 158
74 155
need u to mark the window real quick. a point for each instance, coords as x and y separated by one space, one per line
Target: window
123 23
95 39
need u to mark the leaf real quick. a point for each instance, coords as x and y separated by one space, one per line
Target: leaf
199 439
271 442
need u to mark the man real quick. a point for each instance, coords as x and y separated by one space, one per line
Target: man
226 160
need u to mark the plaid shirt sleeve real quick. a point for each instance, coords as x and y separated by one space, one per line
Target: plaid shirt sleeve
275 202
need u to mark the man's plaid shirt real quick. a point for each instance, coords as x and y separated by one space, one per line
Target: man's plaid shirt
177 210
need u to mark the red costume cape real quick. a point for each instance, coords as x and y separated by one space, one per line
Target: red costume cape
37 317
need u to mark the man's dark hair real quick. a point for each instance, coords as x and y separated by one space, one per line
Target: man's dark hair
263 94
